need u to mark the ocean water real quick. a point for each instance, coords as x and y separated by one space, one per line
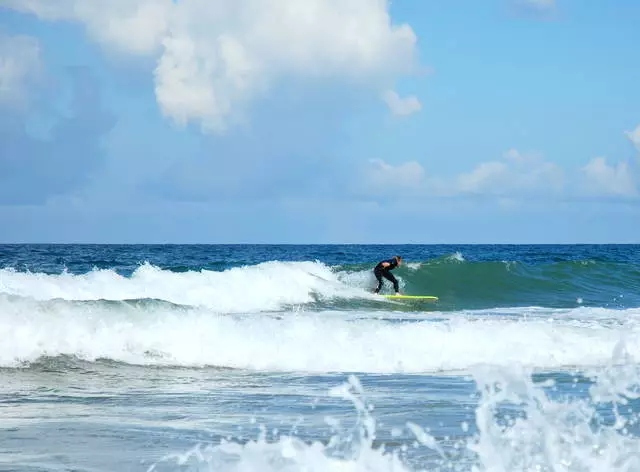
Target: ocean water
279 358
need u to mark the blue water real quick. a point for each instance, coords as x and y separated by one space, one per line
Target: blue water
263 357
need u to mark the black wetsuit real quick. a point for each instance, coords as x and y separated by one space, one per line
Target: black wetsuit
379 271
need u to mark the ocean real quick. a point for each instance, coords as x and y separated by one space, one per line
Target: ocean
279 358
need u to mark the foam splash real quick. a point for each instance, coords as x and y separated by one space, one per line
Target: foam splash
457 257
343 452
161 334
568 435
519 427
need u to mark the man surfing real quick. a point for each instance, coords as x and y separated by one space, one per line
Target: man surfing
383 269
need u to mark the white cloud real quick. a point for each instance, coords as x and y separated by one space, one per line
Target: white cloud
381 178
129 26
216 56
401 106
516 174
634 137
20 65
609 180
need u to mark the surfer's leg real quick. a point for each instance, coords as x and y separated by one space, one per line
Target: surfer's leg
378 275
394 281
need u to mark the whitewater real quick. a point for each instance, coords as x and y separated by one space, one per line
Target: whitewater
280 358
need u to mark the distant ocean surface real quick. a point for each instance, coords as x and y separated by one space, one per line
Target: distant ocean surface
279 358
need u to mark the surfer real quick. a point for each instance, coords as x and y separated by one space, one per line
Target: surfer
383 269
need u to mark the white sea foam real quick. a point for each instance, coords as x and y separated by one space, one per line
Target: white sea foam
307 342
457 256
262 287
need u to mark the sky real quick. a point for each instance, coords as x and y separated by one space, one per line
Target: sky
319 121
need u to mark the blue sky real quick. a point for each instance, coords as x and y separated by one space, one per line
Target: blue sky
319 121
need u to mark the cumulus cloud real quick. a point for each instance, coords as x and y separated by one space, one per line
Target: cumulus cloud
634 137
20 65
129 26
215 56
381 177
516 174
603 179
401 106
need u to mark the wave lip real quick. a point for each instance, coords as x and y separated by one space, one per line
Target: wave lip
263 287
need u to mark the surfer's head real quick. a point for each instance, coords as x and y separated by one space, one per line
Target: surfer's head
398 259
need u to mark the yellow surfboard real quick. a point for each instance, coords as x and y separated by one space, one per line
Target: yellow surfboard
411 297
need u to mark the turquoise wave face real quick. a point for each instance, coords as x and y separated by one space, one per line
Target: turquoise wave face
461 284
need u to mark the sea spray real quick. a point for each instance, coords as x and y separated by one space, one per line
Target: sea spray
352 450
520 425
